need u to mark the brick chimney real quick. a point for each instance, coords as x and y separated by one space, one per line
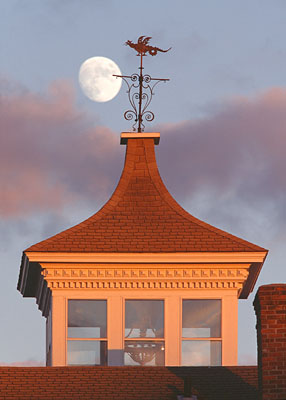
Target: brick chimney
270 309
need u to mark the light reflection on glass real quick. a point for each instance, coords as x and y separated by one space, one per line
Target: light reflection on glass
87 318
144 318
201 353
140 353
201 318
86 352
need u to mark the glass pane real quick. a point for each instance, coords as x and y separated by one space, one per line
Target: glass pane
87 318
87 352
144 353
201 352
144 318
201 318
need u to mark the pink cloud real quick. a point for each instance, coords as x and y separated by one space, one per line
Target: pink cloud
26 363
51 154
236 151
247 359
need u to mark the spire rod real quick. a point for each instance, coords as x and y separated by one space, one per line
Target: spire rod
141 90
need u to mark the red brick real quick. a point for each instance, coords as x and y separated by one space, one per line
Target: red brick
126 383
270 306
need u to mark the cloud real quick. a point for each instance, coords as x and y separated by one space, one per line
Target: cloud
241 145
247 359
51 153
230 164
26 363
235 154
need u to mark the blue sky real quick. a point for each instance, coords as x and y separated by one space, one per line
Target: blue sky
221 117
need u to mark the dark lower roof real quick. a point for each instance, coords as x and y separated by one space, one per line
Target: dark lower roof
142 216
124 383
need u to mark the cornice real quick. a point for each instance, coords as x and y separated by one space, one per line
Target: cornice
148 277
84 284
139 272
166 258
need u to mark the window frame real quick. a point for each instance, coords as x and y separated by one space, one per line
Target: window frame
115 335
100 339
147 339
207 339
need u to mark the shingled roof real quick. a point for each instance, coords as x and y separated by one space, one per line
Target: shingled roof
142 216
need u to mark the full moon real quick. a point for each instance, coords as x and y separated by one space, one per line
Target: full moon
96 80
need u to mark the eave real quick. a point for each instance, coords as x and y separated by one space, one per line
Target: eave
32 281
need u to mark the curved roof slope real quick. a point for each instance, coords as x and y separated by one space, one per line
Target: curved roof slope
141 216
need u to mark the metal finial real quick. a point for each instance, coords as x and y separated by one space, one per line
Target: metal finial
142 82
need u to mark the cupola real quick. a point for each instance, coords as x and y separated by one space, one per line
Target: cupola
142 281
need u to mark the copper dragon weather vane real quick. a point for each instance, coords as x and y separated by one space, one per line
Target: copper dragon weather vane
141 90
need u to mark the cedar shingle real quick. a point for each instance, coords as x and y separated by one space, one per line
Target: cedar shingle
142 216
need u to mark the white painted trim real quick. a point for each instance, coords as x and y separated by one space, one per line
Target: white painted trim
172 314
58 339
166 258
131 135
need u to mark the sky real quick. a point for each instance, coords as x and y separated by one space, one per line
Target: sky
221 117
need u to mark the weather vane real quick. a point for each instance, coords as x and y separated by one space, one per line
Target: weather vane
141 90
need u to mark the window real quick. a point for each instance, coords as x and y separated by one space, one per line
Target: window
201 332
87 332
144 333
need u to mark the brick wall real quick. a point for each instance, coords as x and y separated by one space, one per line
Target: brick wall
126 383
270 309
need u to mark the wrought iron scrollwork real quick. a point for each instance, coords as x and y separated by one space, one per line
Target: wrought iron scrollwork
134 98
140 91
